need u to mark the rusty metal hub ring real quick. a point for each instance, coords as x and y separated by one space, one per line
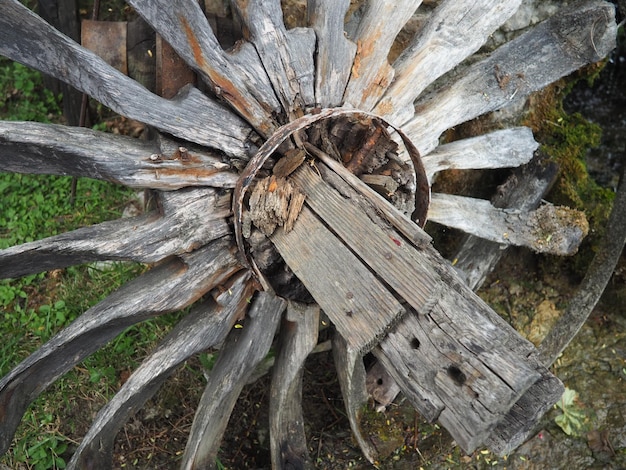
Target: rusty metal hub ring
422 189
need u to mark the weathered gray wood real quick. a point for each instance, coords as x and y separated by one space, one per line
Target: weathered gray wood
452 32
183 25
335 53
548 229
357 303
298 337
286 55
500 149
523 190
205 326
351 377
371 73
382 250
594 283
243 349
189 219
191 115
168 287
51 149
578 35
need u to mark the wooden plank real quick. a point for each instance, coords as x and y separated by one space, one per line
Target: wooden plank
287 56
52 149
578 35
170 286
453 31
26 38
358 304
371 73
205 326
148 238
288 443
243 349
384 251
185 27
172 73
500 149
335 53
548 229
108 40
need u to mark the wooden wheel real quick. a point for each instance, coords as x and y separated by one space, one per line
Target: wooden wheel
253 232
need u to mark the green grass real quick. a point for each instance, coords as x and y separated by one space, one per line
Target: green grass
34 308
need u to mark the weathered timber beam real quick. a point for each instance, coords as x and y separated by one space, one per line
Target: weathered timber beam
335 53
351 375
500 149
51 149
26 38
299 330
371 73
185 27
454 31
243 349
581 34
205 326
286 55
548 229
190 219
359 305
168 287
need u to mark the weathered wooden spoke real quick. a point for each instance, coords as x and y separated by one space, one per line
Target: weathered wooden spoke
147 238
206 325
169 287
326 214
191 115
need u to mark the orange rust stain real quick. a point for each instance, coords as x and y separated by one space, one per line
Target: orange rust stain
384 107
198 173
193 42
273 185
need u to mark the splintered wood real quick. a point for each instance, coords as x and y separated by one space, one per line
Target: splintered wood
398 298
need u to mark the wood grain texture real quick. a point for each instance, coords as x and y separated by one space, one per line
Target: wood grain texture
453 31
287 56
243 349
168 287
52 149
576 36
335 53
190 219
371 73
357 303
288 442
243 84
505 148
549 229
205 326
191 115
